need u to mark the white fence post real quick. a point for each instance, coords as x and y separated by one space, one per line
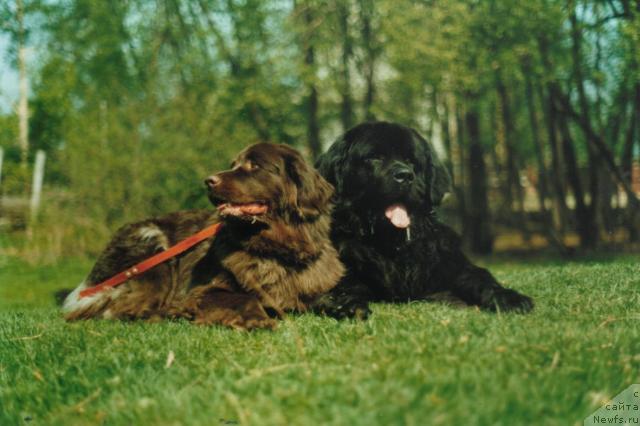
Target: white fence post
38 178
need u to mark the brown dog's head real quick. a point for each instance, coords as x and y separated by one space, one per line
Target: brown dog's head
268 181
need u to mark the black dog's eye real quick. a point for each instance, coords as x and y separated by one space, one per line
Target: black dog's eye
372 160
412 163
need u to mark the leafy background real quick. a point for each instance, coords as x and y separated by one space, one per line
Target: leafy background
136 101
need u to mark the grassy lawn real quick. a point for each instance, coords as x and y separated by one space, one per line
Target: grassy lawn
409 364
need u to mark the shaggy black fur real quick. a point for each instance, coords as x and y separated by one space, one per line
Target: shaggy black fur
377 165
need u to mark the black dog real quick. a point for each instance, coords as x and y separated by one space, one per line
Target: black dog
388 182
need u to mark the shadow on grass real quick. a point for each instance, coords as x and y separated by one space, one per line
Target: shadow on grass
551 257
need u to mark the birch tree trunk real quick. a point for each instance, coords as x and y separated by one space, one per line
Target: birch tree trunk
23 106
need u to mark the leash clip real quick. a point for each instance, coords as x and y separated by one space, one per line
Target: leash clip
131 272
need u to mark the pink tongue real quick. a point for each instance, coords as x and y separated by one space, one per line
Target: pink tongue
397 214
242 209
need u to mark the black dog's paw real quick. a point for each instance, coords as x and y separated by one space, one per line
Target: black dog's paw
342 308
507 300
358 311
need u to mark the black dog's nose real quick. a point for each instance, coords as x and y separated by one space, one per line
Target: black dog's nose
403 175
212 181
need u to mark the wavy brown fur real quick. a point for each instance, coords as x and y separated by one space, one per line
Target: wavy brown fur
256 268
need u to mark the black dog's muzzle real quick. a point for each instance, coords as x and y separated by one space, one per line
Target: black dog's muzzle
402 173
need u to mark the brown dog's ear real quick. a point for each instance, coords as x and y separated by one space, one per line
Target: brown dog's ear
312 191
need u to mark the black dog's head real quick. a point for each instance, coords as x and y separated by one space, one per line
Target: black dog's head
387 169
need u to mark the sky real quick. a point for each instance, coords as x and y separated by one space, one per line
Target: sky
8 78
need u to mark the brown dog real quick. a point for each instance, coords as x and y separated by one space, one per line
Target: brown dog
273 253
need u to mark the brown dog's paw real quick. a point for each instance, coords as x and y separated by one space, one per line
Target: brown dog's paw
257 323
226 317
239 322
236 320
254 316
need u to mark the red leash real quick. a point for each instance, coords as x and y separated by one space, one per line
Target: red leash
154 260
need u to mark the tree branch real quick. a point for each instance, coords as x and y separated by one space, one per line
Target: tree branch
564 104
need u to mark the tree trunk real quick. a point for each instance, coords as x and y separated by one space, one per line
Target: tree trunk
346 104
458 162
551 115
627 149
370 55
627 159
584 220
513 175
497 156
313 127
478 210
537 145
23 105
560 199
548 228
601 182
445 129
591 230
595 165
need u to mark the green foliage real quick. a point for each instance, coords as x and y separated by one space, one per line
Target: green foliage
15 177
135 102
8 129
419 363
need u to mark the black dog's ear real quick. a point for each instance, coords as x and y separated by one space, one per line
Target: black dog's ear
440 181
312 192
438 177
332 163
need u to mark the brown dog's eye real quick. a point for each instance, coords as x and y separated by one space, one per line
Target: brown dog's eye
248 166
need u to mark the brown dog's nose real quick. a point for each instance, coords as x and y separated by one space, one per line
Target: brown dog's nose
212 181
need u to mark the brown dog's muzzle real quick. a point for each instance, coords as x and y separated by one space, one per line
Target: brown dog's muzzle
220 194
212 181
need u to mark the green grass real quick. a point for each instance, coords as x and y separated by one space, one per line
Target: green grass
408 364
